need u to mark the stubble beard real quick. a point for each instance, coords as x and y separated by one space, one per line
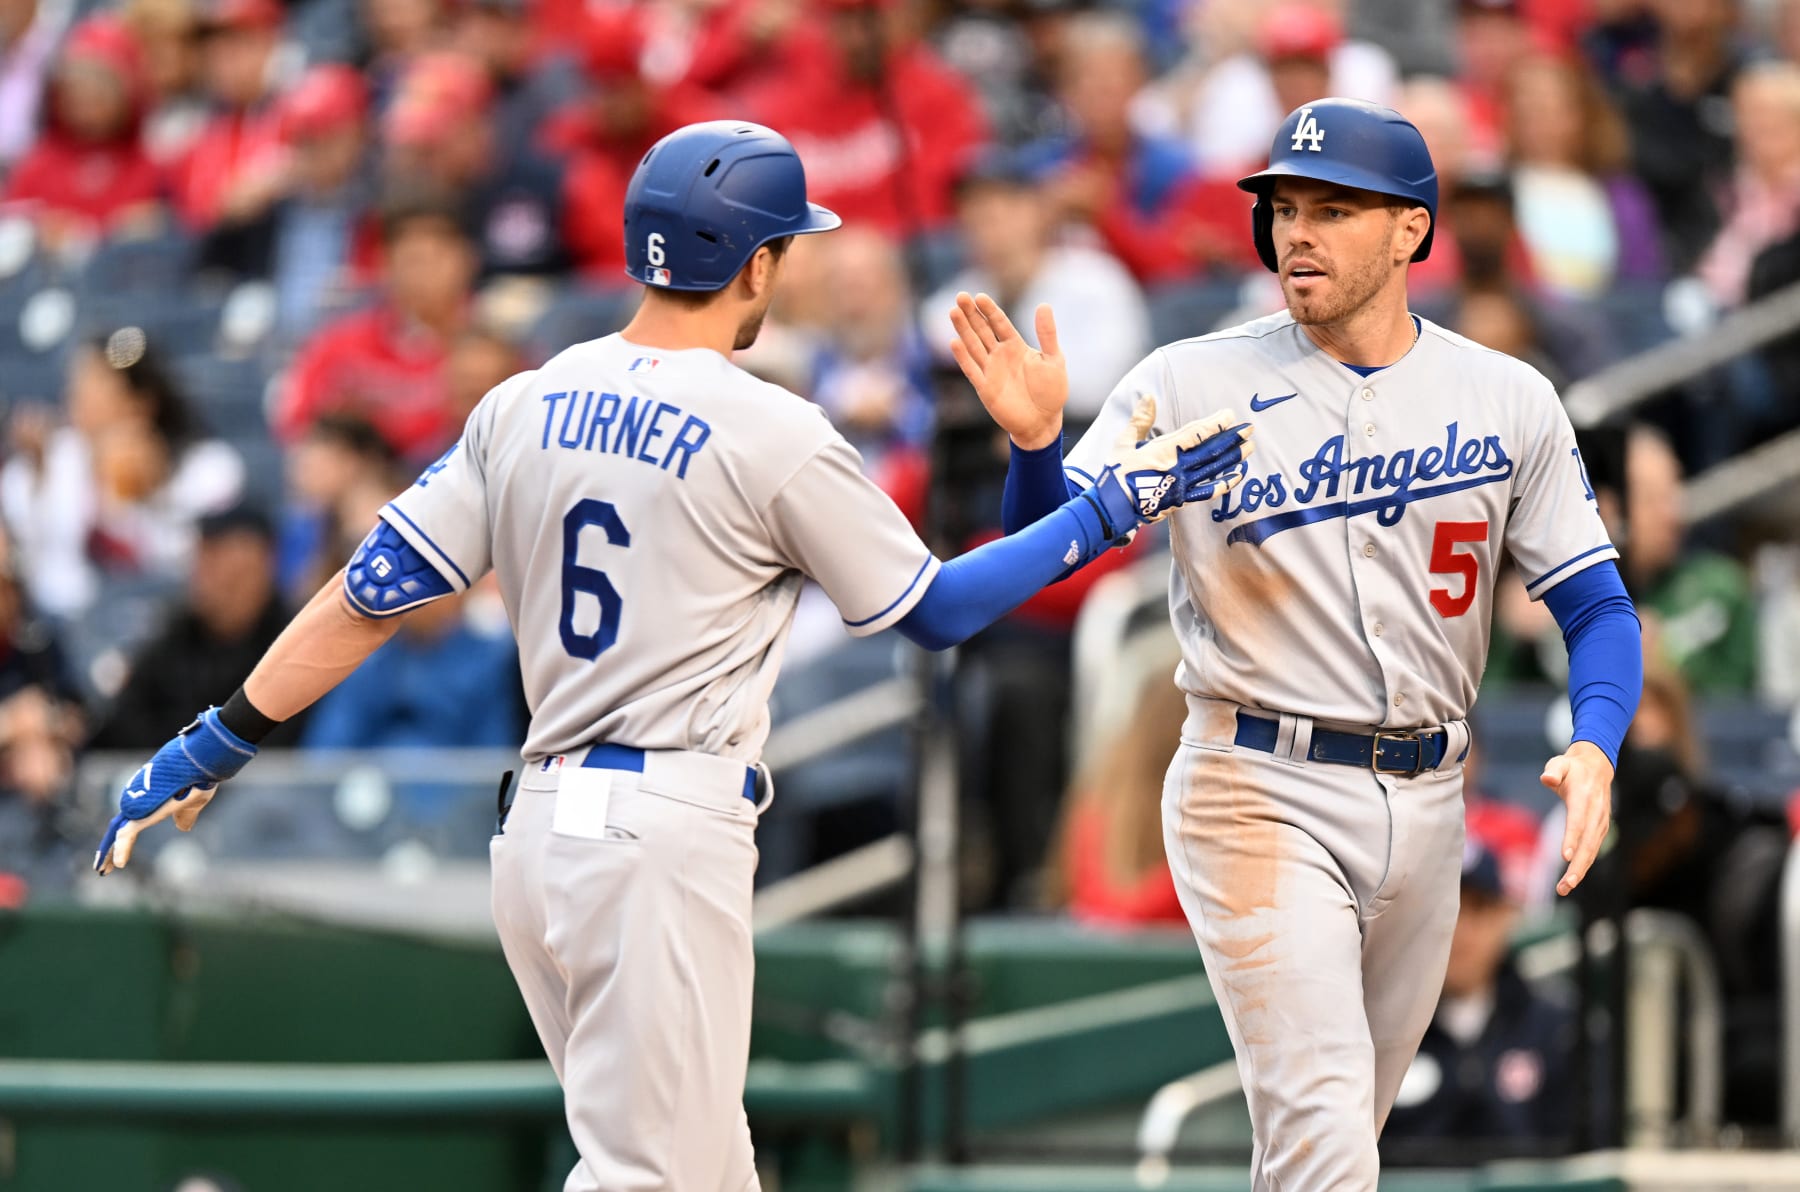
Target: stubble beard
1347 294
749 329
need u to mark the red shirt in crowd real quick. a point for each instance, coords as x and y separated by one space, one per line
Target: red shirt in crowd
377 365
91 185
856 162
231 145
1095 896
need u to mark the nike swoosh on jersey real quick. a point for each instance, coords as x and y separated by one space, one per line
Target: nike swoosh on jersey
1260 406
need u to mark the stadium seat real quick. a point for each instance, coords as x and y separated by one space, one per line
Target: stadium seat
1185 309
580 315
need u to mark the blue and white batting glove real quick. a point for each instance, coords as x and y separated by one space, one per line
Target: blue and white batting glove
1146 479
178 781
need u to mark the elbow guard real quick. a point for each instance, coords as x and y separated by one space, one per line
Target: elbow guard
388 575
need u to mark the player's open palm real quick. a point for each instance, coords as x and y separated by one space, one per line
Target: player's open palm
1024 388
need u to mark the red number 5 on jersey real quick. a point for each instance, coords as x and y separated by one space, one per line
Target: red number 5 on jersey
1447 560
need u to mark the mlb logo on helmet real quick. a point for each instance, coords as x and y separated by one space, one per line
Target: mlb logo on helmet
659 277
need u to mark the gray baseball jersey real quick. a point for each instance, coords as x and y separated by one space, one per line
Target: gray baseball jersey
650 515
1350 577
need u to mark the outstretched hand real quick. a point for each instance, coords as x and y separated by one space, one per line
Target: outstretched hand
1024 388
1582 779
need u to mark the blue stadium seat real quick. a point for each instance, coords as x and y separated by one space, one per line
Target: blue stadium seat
227 395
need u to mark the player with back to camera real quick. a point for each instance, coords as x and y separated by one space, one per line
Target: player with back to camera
1333 613
651 512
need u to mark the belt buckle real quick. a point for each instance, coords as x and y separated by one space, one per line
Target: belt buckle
1418 758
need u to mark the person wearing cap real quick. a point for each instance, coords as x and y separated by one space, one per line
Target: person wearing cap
1495 1071
234 166
441 132
89 174
839 107
1140 192
606 132
1227 111
387 363
319 235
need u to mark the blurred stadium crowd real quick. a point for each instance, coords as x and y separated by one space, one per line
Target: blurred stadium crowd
258 260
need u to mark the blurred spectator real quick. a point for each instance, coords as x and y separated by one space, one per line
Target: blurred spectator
168 34
439 682
1508 830
231 615
1436 107
1140 193
1011 52
1763 207
1419 37
1008 233
88 176
443 132
1495 1071
40 709
398 33
739 46
607 131
530 81
1492 39
339 458
1680 121
1228 111
1587 224
120 488
1501 319
872 374
233 169
480 359
840 110
1620 41
1696 605
1110 865
1688 846
319 230
29 31
387 364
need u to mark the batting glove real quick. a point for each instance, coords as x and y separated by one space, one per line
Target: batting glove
1148 478
178 781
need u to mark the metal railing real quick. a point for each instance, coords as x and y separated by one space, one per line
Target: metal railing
1668 957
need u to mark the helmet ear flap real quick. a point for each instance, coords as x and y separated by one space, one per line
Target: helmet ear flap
1262 229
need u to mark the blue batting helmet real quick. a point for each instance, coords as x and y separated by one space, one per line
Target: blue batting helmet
1351 143
706 197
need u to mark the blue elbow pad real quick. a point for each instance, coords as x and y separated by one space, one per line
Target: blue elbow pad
388 575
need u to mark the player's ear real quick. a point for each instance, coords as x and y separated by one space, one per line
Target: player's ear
759 272
1409 231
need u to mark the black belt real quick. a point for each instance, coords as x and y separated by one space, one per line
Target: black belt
1403 754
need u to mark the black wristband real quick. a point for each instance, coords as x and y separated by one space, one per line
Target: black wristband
245 722
1106 530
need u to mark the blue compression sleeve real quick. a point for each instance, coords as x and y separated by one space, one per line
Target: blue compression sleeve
1035 486
974 590
1606 658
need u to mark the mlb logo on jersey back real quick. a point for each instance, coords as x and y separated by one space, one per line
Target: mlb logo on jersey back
1308 134
659 277
643 364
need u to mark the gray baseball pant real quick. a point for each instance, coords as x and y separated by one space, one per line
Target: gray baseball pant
1323 898
632 949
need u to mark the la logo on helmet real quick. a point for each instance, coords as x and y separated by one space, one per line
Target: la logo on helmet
1309 132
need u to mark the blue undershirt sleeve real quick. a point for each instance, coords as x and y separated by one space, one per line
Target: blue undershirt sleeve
1606 660
1035 486
974 590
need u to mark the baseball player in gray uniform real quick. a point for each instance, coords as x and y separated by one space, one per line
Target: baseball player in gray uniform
651 512
1333 614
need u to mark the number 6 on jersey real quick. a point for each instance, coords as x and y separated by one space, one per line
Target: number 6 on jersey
593 581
